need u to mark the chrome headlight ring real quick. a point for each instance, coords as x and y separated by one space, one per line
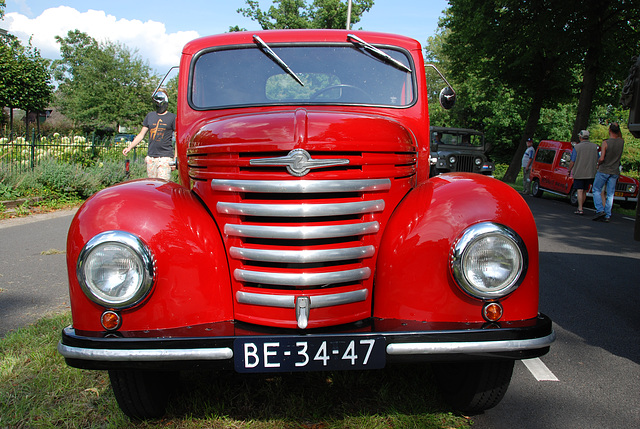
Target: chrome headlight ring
115 269
489 261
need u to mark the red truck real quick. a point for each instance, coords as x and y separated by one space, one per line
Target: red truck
306 234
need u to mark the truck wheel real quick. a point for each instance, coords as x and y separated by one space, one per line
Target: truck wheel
141 394
535 188
573 197
474 386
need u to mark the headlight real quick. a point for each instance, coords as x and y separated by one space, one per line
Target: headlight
489 261
452 159
115 269
478 161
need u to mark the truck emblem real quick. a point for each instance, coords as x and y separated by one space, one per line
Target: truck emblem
299 162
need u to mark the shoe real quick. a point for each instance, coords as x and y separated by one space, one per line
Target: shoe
606 219
598 216
578 212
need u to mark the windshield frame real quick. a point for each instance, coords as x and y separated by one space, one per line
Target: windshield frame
346 45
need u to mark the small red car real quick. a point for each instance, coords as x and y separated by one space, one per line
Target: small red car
549 174
306 234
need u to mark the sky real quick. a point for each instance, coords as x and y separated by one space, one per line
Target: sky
158 29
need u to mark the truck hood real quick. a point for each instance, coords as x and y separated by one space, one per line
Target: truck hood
302 128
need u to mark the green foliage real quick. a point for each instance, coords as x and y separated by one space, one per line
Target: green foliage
102 85
54 180
511 48
25 82
286 14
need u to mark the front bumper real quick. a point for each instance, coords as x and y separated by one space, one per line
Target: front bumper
405 341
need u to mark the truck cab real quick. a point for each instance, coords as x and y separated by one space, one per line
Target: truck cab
305 233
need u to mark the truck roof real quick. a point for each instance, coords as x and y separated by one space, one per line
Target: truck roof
297 36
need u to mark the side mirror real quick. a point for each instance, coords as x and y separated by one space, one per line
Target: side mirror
447 95
447 98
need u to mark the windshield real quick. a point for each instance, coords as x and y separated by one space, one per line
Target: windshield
458 139
343 74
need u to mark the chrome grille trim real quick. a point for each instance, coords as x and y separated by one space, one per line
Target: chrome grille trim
301 232
288 301
300 210
302 279
300 186
302 256
282 301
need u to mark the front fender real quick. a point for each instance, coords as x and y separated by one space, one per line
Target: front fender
192 274
413 279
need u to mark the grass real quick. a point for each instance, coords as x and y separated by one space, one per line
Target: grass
38 390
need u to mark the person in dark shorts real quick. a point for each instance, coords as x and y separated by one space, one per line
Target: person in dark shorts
583 165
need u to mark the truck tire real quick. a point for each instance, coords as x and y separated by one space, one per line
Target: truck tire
141 394
573 197
473 387
535 189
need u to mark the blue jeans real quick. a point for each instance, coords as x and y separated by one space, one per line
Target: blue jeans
607 181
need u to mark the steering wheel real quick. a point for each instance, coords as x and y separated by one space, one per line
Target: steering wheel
342 85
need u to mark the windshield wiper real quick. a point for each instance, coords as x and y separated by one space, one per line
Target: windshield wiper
267 50
378 53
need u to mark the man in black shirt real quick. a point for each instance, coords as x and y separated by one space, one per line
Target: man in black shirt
161 125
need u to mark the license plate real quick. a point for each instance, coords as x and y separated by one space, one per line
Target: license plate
285 354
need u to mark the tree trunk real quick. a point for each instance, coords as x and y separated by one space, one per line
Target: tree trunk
530 127
589 85
597 17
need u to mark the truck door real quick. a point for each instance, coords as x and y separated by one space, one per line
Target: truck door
561 180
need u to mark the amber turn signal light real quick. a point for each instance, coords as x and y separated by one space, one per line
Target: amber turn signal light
492 311
110 320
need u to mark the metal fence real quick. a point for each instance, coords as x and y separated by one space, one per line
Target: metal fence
22 154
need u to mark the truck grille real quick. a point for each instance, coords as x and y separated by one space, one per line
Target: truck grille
270 238
308 241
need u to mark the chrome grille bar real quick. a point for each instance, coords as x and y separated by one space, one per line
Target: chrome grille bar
300 210
289 301
302 279
301 232
302 256
300 186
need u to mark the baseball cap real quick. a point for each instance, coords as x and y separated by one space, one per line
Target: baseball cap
583 134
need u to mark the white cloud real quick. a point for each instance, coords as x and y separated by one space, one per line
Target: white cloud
150 39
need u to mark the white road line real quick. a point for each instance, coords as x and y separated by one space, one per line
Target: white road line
539 370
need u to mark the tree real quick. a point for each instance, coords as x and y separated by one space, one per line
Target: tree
25 82
547 52
288 14
514 43
101 85
608 35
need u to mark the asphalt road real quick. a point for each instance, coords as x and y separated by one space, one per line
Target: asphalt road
590 287
33 274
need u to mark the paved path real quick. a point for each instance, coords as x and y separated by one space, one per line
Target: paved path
33 273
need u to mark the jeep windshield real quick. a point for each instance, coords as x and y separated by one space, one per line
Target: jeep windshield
460 139
250 75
